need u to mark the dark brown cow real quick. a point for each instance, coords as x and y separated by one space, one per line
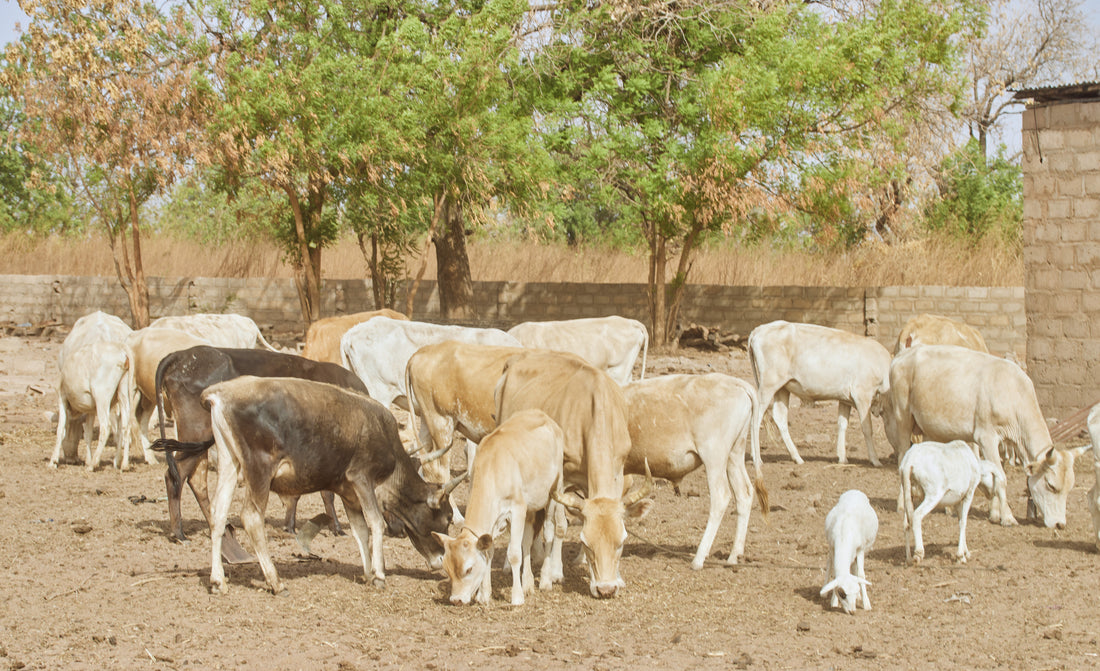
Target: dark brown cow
182 377
293 437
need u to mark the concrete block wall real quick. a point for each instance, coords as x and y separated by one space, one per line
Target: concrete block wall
1061 166
880 312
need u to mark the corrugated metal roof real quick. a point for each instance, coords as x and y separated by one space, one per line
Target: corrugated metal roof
1060 92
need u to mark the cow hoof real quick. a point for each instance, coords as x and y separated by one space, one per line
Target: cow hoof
696 566
282 591
918 557
378 583
53 465
876 463
961 559
1009 521
218 589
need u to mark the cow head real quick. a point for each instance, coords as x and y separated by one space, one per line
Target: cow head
423 519
467 561
844 590
1049 481
603 532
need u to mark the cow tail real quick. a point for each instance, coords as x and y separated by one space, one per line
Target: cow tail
645 350
126 393
412 412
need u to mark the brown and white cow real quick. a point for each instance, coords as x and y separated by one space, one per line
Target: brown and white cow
608 343
946 393
218 330
518 471
450 387
926 329
292 437
183 376
817 363
589 407
92 371
680 422
323 336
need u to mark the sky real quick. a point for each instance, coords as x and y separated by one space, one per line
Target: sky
10 14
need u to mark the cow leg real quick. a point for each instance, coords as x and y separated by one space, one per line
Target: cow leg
926 506
863 581
519 537
329 499
102 399
372 527
144 416
843 413
780 410
62 430
290 522
864 412
718 485
553 532
963 553
739 481
1094 509
999 511
187 470
252 517
223 497
89 427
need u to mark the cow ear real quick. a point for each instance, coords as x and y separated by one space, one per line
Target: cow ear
640 509
1046 459
829 586
443 539
484 542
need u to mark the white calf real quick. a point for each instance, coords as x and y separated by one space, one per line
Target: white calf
519 466
944 474
850 527
1094 493
94 386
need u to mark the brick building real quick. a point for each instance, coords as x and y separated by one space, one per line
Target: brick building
1061 170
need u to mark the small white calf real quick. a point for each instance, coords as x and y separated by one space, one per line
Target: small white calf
944 474
850 527
94 386
519 467
1094 493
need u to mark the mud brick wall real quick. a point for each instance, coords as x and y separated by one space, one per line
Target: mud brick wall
1061 166
879 312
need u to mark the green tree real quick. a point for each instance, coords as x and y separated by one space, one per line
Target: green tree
694 114
30 201
978 196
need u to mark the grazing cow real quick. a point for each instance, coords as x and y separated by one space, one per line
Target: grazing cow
680 422
450 388
94 386
950 393
519 469
80 386
608 343
378 351
943 474
323 336
292 437
218 330
589 407
1094 493
817 363
926 329
180 380
850 527
147 347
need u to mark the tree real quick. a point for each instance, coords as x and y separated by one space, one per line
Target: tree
695 114
29 200
106 103
978 196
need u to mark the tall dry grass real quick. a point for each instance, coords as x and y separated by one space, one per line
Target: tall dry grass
926 262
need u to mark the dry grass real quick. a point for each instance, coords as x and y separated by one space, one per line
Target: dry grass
927 262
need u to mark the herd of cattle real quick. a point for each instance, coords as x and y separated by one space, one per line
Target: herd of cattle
558 427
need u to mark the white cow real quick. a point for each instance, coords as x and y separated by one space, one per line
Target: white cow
378 351
609 343
950 393
817 363
850 527
942 474
1094 493
680 422
218 330
926 329
519 469
86 382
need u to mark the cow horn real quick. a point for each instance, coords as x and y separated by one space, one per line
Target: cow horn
450 486
568 499
432 456
641 492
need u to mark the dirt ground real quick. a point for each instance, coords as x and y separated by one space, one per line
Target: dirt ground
90 579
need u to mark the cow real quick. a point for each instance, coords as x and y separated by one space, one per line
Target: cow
219 330
926 329
519 470
450 389
609 343
1093 423
680 422
181 378
378 350
817 363
950 393
850 528
94 386
147 347
323 336
589 407
86 383
292 437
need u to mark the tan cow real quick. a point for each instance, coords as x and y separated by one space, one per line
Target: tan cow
147 347
951 393
451 392
218 330
323 336
589 407
680 422
519 469
817 363
608 343
926 329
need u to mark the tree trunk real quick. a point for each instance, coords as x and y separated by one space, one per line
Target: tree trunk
657 262
456 289
307 269
130 276
683 268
